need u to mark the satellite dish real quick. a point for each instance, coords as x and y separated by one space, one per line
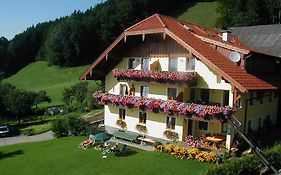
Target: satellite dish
234 56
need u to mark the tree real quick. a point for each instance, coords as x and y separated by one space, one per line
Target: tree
5 88
41 97
19 103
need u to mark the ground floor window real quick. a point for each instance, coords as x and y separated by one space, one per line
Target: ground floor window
203 125
250 126
142 117
122 113
260 122
171 122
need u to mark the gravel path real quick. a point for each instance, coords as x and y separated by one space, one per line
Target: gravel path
23 139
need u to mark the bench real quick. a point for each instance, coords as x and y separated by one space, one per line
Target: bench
145 140
125 135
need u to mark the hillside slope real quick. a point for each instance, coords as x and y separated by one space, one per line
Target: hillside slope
201 13
39 76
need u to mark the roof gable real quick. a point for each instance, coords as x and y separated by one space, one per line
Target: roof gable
185 37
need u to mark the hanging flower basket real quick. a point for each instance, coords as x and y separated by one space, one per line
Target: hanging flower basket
171 135
188 78
141 128
122 124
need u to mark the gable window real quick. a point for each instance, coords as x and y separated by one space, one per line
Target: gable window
132 63
144 90
142 117
123 90
122 113
203 125
172 93
173 64
171 122
145 64
190 63
204 96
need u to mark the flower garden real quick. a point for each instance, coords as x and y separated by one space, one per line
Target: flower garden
182 153
206 112
187 78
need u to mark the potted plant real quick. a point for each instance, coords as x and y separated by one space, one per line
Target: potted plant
141 128
122 124
171 135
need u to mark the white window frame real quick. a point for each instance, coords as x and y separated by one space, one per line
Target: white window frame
141 90
170 123
177 62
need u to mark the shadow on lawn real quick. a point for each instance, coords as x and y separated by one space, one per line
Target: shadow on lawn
127 152
10 154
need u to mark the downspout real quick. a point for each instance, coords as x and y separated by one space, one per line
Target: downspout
245 116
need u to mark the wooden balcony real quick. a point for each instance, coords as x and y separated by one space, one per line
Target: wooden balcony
163 77
207 112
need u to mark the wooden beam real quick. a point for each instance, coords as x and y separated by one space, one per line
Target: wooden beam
164 36
143 37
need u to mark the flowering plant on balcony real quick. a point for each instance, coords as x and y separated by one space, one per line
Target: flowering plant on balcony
206 112
141 128
122 124
188 78
171 135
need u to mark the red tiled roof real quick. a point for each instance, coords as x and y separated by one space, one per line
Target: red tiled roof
188 37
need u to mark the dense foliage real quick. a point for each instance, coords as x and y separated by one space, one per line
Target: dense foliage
79 97
18 103
249 165
248 12
77 39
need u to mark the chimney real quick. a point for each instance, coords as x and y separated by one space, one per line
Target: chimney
226 35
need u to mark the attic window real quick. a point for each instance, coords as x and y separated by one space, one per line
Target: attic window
185 26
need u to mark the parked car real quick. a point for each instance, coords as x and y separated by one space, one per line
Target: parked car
4 130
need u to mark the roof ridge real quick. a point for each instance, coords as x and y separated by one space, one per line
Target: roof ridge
146 19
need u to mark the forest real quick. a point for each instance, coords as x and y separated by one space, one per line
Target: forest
79 38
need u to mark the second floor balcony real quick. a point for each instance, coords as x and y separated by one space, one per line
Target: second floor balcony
207 112
164 77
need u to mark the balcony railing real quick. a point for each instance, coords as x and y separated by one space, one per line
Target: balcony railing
182 78
206 112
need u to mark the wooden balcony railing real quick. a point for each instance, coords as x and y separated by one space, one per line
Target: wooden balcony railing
182 78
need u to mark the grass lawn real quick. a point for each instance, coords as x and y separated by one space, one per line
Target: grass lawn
62 156
201 13
39 76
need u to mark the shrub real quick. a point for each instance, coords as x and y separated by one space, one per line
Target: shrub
77 126
169 148
156 143
59 127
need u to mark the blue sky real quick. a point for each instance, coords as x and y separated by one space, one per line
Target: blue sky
17 15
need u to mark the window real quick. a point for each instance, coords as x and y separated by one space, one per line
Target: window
132 63
204 96
270 96
173 64
225 98
249 128
190 63
203 125
145 64
142 117
122 113
192 95
144 90
123 90
251 100
171 122
261 100
260 124
172 93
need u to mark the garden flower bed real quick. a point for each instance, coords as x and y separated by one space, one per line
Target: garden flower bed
187 78
206 112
